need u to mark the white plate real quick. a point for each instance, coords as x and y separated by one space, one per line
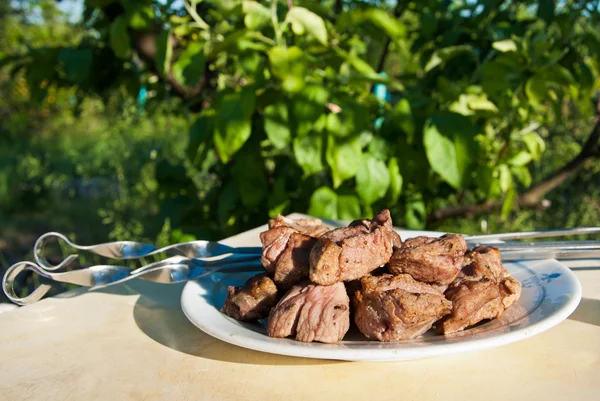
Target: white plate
551 292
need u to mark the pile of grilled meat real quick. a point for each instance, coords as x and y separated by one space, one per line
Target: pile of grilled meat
399 290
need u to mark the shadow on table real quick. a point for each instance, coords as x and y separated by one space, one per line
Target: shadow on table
158 314
588 311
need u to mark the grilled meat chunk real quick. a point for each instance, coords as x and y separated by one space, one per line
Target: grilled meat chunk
472 302
312 227
348 253
483 262
482 290
312 312
253 300
430 260
393 308
286 248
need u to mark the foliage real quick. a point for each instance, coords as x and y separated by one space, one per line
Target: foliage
282 115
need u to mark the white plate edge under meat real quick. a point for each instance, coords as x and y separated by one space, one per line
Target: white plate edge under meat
551 292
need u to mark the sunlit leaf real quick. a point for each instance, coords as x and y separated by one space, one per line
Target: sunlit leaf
234 126
372 180
395 180
449 145
507 45
289 65
164 52
256 15
119 38
348 207
505 178
189 67
305 21
277 125
324 203
308 151
442 56
343 156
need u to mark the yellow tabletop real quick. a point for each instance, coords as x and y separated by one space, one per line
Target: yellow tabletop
133 342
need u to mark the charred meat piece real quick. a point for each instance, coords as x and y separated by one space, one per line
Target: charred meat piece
482 290
393 308
253 300
472 302
348 253
510 289
431 260
483 262
312 227
312 312
293 264
286 248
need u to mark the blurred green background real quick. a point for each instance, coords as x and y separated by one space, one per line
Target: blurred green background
165 121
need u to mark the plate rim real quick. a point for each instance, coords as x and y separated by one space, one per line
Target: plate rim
390 353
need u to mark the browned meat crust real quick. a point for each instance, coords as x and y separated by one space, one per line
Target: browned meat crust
312 312
393 308
348 253
253 300
431 260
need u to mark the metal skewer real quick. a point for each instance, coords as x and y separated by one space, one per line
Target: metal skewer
193 259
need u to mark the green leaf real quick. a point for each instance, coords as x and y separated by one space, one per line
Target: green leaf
395 180
505 178
278 198
119 38
377 147
535 144
520 159
385 21
536 90
449 145
363 67
200 131
372 180
256 15
373 16
164 52
227 203
189 67
559 74
348 207
304 20
359 64
308 105
351 120
507 45
442 56
308 151
289 65
343 157
323 203
546 10
509 203
277 126
234 126
77 63
249 176
402 115
522 174
141 18
415 214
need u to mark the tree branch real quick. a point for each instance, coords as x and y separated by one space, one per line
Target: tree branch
145 46
398 11
535 195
